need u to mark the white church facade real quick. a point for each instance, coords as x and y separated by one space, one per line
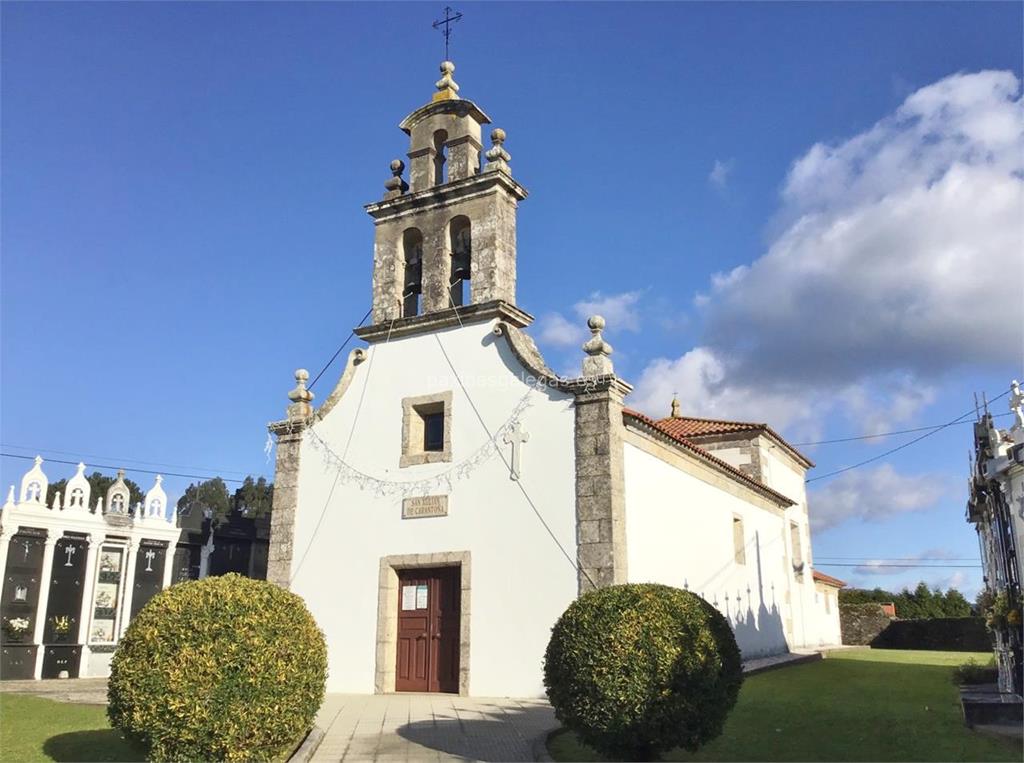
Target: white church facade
452 495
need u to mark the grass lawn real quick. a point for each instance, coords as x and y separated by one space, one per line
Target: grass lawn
32 729
863 704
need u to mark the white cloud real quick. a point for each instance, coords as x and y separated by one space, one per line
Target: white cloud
719 175
896 259
555 330
873 495
618 310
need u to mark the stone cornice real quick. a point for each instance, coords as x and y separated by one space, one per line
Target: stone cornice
444 195
444 319
526 352
458 106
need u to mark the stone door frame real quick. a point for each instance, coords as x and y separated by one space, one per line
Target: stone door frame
387 614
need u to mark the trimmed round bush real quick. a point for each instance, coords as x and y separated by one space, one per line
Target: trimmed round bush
635 670
224 668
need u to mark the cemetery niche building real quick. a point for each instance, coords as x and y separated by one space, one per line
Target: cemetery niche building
452 494
76 572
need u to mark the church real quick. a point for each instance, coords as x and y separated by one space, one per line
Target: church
452 495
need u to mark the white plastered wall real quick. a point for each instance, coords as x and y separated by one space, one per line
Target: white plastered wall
679 531
521 582
813 626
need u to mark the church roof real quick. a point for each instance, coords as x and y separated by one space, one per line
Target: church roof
821 577
694 448
690 426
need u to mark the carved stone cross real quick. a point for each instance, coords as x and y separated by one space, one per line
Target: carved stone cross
515 437
70 551
150 556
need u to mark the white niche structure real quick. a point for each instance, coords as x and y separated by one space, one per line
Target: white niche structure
102 543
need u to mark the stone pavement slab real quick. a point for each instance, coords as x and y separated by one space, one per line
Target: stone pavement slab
431 727
86 691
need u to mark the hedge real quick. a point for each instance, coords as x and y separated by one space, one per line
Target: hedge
219 669
638 669
949 634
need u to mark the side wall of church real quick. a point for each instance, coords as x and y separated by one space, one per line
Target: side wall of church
519 580
816 625
680 532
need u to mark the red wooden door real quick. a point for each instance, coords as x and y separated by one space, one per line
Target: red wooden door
428 630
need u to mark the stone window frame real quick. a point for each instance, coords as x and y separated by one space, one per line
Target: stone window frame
413 453
386 655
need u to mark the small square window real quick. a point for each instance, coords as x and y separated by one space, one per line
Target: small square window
426 429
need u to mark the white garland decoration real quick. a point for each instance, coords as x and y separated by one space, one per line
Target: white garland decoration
384 488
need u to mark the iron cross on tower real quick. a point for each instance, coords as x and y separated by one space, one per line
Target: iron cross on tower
447 22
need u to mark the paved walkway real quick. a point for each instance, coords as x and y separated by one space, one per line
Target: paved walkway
407 727
85 691
431 727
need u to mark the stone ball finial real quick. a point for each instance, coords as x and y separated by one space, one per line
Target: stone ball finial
301 376
446 86
394 185
597 362
497 136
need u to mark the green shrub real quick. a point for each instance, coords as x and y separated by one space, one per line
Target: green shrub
636 670
971 673
224 668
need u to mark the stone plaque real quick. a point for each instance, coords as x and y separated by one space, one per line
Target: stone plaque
425 506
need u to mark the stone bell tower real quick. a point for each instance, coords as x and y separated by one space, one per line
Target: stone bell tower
447 238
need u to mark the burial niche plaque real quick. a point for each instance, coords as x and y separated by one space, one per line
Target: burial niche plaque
425 506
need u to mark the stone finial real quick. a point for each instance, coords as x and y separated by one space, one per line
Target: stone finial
1017 404
597 362
675 408
395 185
56 501
300 397
497 157
446 87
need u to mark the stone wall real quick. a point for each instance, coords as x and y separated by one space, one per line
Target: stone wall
861 624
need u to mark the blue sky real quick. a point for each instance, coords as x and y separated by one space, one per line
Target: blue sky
182 221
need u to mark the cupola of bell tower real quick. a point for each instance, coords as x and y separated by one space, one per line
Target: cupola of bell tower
446 239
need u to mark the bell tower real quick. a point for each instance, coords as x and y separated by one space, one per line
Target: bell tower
445 242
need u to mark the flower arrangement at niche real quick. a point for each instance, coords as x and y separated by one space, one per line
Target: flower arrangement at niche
16 627
1004 611
61 627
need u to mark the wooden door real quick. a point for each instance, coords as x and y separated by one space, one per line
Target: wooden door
428 630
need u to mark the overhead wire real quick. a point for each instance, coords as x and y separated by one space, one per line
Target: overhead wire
907 444
334 357
889 434
127 469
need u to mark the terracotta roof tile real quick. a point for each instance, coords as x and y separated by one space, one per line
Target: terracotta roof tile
687 426
699 451
821 577
691 426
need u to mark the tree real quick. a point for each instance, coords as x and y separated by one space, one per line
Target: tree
99 485
254 498
923 603
210 496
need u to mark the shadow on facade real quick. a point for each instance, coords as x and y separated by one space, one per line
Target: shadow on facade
758 631
505 734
